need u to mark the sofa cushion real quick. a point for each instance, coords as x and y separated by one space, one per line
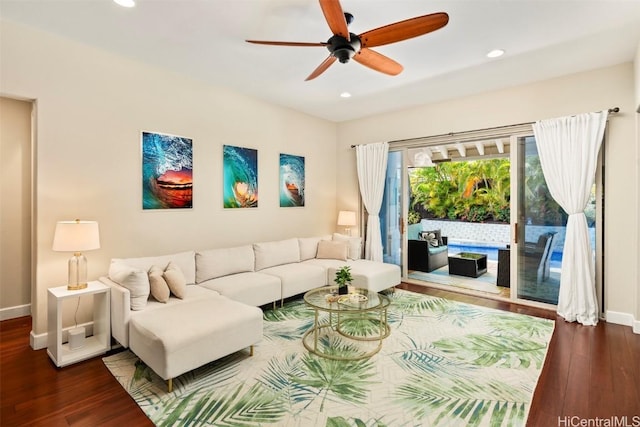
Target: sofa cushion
298 278
175 279
270 254
355 244
327 264
223 262
250 287
134 279
185 260
413 231
333 250
437 249
309 246
159 287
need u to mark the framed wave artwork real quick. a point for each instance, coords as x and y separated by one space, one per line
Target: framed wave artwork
167 171
291 181
240 177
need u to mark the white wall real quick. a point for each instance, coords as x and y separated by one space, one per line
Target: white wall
91 107
579 93
637 76
637 103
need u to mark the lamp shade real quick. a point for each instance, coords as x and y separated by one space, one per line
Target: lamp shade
76 236
347 218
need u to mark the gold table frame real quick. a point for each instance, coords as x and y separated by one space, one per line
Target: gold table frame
375 303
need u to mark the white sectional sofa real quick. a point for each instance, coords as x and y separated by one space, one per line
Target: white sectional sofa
221 291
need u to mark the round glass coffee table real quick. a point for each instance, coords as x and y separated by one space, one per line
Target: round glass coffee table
346 327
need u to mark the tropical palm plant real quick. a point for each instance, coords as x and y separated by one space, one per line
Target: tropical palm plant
474 191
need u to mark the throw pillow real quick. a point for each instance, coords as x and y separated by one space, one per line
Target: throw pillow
176 281
431 239
159 287
355 244
332 250
437 236
309 246
185 260
134 279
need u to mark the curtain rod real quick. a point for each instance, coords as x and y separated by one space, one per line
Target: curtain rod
450 134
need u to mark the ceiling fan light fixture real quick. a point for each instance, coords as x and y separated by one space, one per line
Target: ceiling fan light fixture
344 54
344 49
345 95
495 53
125 3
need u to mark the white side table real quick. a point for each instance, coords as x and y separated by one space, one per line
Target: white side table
94 345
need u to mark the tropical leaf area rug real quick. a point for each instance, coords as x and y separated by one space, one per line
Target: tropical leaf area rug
444 364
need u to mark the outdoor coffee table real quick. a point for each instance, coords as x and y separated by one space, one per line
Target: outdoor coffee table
335 323
468 264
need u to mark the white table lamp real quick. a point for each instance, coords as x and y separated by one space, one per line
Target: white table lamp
347 219
76 236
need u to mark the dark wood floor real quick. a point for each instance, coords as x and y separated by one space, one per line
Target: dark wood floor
589 372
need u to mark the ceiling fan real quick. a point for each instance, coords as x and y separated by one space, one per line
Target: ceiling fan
344 45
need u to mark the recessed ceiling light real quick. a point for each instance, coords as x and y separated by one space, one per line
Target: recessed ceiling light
125 3
495 53
345 95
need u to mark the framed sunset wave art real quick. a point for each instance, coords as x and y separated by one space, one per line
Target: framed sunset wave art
291 181
167 171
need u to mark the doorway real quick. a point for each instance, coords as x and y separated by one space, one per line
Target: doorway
16 207
529 253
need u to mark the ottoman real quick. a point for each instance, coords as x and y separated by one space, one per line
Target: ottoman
185 336
374 276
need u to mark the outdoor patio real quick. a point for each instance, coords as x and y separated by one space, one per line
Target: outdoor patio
487 239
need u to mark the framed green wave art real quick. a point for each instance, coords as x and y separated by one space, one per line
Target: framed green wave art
240 177
291 181
167 171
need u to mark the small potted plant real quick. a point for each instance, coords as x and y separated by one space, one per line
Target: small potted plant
343 279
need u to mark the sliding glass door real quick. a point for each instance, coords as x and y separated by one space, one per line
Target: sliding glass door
523 244
392 210
540 228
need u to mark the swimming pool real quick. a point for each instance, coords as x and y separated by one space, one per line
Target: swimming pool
492 251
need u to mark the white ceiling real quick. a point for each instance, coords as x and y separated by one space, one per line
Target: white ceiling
205 40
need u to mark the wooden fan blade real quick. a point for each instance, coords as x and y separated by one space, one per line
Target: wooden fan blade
404 30
286 43
335 17
321 68
377 61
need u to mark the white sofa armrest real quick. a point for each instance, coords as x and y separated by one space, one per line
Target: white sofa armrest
120 311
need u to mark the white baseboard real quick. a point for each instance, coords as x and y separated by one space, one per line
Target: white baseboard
14 312
37 342
40 341
625 319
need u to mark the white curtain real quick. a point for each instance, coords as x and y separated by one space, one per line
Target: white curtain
568 149
372 168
